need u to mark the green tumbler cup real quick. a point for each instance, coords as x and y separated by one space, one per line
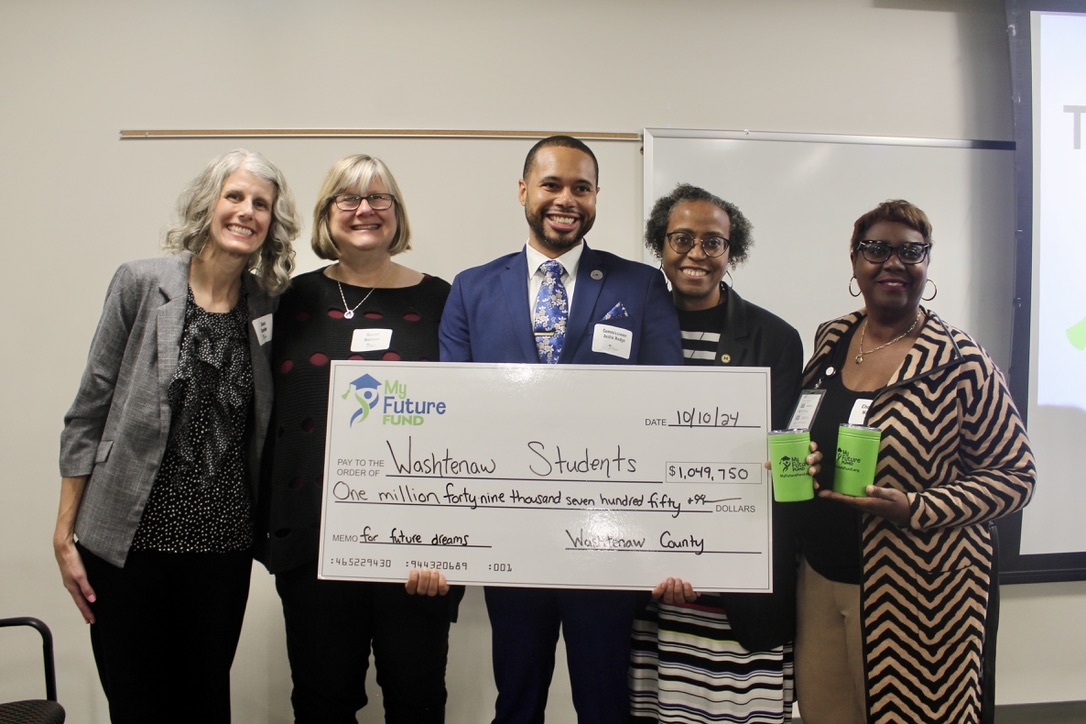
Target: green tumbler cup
788 450
857 453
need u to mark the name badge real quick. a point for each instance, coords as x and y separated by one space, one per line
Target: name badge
370 340
263 328
612 340
806 409
858 416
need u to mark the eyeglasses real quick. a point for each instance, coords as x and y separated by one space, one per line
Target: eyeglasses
682 243
377 202
877 252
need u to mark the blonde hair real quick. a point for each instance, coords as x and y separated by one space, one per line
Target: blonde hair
347 174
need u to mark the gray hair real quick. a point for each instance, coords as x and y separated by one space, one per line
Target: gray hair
273 262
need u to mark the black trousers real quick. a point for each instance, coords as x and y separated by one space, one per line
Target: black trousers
166 629
331 628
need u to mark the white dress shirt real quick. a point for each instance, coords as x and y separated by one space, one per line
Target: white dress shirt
570 261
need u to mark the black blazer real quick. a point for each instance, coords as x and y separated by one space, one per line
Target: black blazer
754 337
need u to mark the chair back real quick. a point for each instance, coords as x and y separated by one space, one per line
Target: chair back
35 711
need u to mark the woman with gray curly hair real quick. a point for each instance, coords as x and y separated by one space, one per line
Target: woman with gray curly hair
159 454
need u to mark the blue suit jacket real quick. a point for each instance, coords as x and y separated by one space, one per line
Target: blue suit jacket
487 317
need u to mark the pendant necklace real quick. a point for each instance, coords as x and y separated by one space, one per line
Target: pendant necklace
863 333
348 312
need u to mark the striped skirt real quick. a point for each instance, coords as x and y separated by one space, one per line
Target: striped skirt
685 668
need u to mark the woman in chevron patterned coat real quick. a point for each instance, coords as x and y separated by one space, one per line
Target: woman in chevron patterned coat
893 588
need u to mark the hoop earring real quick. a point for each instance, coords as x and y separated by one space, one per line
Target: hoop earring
934 294
853 293
728 273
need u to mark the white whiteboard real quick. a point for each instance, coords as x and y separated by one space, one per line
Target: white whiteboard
803 192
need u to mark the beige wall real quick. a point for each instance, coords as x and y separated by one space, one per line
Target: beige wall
77 201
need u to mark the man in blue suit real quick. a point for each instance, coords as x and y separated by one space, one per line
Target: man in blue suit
613 311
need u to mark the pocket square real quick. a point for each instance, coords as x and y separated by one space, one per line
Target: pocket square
617 312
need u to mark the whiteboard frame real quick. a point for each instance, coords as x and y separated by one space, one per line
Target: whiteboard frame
804 191
990 202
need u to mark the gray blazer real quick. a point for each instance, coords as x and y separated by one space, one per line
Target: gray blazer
116 430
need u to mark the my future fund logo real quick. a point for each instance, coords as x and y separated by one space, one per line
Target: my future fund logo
391 400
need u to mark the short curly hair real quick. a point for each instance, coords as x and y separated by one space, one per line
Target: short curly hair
273 262
739 240
348 174
897 210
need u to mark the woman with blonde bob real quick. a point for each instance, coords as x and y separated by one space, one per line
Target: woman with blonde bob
360 223
159 454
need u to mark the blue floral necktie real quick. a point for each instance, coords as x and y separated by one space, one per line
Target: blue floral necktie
551 313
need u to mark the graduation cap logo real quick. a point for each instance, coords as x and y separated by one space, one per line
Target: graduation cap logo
365 391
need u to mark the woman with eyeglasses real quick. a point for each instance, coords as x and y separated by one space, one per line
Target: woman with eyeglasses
160 449
709 657
363 306
893 587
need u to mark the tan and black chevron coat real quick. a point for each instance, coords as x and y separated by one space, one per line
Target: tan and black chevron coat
954 443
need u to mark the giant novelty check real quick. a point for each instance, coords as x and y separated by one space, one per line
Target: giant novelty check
569 476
